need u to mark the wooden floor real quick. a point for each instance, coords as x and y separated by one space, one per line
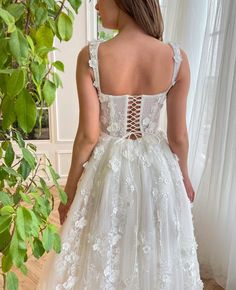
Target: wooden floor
30 281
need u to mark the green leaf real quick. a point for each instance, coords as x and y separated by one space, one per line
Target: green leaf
5 238
32 146
57 81
20 139
28 156
54 174
43 51
17 249
52 24
16 10
4 145
16 197
58 65
16 82
8 19
71 15
44 36
8 113
7 210
6 263
65 27
5 222
12 281
25 198
23 222
62 195
30 42
4 52
50 3
42 206
11 171
75 4
35 224
26 111
39 71
45 188
24 169
49 92
57 243
18 45
5 198
53 228
7 71
38 249
9 155
41 16
24 269
48 239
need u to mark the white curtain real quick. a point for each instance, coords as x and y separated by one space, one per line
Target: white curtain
207 32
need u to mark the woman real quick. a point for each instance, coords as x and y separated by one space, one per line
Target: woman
128 223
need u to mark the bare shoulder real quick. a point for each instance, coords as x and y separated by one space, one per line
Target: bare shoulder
83 56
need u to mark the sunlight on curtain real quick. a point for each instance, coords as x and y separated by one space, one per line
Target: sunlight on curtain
184 23
213 138
204 98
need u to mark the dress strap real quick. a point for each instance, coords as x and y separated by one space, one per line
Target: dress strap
177 62
93 61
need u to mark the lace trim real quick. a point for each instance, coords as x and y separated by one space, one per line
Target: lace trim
93 61
178 59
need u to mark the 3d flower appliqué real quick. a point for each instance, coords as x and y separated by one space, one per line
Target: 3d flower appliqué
114 164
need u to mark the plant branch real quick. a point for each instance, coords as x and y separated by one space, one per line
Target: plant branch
32 179
60 9
27 21
4 281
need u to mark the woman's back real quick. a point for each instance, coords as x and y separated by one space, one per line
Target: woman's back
139 66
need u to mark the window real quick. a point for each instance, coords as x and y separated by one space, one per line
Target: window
34 134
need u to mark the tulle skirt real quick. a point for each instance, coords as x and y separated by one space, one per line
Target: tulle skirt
130 224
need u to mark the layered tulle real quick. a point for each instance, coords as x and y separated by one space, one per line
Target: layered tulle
130 224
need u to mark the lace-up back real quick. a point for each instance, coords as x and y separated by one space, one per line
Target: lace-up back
130 115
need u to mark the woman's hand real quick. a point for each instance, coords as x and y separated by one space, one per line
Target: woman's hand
63 210
189 189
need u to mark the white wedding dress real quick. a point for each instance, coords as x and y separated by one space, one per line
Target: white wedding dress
130 225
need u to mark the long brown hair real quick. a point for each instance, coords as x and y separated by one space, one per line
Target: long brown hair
146 13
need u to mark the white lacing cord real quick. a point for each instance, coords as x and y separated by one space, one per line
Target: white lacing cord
133 125
134 110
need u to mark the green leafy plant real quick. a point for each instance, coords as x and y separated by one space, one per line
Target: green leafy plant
28 82
28 78
25 206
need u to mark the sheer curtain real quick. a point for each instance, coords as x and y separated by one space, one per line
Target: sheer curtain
207 32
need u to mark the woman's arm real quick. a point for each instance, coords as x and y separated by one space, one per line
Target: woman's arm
88 130
176 120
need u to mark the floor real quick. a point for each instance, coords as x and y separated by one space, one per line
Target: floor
34 267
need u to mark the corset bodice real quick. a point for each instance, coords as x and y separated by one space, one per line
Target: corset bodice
126 114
